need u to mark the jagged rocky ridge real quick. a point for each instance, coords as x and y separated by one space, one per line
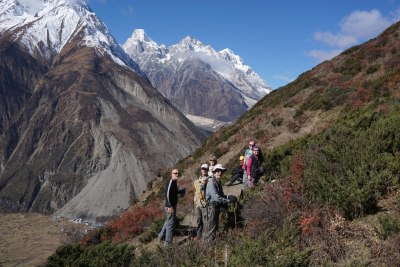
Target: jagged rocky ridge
197 79
82 131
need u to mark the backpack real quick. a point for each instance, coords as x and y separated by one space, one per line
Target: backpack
200 192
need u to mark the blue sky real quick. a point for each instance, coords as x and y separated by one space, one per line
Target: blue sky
279 40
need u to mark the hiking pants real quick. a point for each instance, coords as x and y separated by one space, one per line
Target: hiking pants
235 177
245 179
210 220
168 228
199 220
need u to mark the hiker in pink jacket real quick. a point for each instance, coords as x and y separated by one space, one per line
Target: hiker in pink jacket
254 169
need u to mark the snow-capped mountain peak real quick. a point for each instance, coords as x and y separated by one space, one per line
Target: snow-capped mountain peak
190 42
228 55
192 46
225 62
140 35
141 43
46 26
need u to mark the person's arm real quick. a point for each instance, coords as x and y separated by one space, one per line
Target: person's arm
167 194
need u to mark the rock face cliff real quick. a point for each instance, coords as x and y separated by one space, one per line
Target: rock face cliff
82 131
197 79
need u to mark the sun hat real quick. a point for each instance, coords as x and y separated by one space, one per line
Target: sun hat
204 166
218 167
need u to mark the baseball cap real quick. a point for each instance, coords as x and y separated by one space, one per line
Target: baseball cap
204 166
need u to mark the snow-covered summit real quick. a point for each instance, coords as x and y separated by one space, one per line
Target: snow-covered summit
46 26
225 62
140 43
190 44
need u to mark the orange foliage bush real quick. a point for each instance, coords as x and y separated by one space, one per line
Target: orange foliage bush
307 220
133 221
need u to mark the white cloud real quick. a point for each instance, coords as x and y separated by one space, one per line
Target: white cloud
364 24
355 28
320 55
335 40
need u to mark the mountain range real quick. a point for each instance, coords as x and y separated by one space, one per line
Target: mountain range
82 131
197 79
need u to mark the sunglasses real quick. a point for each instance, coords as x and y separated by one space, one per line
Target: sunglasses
176 173
251 144
212 160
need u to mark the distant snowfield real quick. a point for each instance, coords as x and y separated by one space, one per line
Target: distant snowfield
207 123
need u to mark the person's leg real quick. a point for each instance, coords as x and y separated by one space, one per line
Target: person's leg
161 234
200 225
244 179
213 223
169 227
234 178
206 223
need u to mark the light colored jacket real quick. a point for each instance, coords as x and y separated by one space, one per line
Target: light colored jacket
210 169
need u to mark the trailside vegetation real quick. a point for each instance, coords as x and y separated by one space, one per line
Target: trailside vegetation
300 216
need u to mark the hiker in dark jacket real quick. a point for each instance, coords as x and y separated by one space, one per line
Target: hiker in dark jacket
215 199
237 173
171 201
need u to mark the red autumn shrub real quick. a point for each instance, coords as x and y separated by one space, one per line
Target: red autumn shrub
132 222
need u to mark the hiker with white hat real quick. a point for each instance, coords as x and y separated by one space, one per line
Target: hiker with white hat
215 199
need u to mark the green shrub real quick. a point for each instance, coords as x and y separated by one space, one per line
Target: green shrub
373 68
146 258
387 225
65 256
102 255
270 249
352 65
350 165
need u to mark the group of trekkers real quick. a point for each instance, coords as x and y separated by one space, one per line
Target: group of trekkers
209 196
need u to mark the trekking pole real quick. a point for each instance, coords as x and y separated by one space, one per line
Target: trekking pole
234 212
